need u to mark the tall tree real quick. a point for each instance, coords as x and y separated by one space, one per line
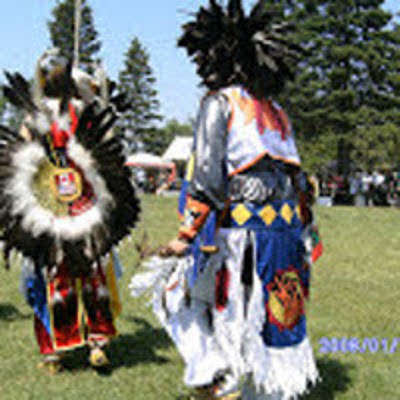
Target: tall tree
137 81
346 90
61 28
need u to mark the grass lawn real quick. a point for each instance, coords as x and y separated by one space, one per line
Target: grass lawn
355 293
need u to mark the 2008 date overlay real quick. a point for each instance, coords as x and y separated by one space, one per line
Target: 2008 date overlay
358 345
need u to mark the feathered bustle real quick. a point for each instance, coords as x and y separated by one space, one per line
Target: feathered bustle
30 225
232 48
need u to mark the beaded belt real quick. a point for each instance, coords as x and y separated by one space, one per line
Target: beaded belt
276 214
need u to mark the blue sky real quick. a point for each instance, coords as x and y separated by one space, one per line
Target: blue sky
24 36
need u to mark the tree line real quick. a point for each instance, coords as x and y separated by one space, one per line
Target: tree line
344 101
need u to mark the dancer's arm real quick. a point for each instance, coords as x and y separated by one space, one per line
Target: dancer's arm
208 186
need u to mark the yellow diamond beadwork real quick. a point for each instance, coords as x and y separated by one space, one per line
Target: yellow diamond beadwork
287 213
298 212
241 214
268 214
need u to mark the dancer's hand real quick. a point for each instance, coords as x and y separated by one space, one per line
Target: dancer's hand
176 247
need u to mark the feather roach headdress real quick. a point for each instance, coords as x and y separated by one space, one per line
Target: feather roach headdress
63 205
232 48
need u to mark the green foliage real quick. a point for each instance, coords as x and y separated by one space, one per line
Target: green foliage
318 152
157 140
136 80
376 141
174 128
61 29
348 83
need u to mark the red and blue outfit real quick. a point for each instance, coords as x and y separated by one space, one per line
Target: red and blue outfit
72 307
246 210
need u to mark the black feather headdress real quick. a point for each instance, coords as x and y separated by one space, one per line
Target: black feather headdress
33 219
230 47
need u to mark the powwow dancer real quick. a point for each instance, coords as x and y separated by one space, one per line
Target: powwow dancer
66 202
235 307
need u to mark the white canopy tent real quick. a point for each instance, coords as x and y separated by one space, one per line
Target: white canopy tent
180 149
145 160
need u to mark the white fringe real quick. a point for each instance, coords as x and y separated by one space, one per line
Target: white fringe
282 373
186 325
290 370
39 220
230 324
276 373
156 275
236 343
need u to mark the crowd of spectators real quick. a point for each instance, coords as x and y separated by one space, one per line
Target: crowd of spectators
363 188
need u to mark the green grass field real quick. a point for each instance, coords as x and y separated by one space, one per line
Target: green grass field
355 293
